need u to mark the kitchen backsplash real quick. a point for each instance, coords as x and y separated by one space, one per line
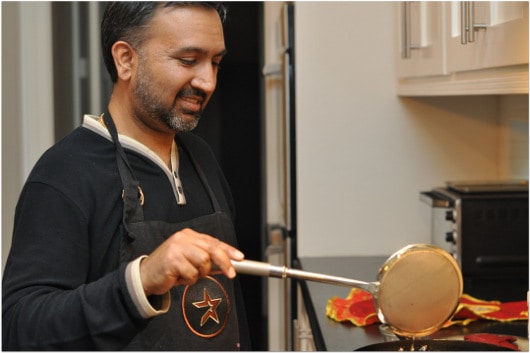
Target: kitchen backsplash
514 136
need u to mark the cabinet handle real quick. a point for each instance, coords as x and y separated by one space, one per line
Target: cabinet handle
467 22
463 22
405 31
471 20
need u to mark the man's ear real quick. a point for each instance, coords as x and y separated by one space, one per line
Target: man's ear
123 55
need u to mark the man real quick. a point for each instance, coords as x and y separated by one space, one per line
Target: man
123 235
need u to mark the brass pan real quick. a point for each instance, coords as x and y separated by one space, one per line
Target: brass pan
417 290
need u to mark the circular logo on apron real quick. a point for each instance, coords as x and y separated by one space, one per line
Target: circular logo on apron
206 306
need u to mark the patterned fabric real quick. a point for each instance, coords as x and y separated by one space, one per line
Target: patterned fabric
358 308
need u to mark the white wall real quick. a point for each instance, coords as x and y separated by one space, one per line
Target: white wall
364 154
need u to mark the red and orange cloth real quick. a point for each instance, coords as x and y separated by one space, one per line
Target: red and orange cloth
358 308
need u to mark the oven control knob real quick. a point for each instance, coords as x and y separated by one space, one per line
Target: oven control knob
451 237
450 215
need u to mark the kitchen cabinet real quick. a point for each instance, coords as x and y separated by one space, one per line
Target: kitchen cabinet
499 38
462 47
421 43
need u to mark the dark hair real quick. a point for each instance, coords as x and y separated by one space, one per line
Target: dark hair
125 20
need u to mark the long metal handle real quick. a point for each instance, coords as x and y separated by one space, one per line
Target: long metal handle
463 22
471 21
467 22
405 30
472 25
256 268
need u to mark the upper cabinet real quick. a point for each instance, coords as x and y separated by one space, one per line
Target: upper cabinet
486 34
421 42
462 47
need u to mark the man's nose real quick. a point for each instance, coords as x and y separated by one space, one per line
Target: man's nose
205 78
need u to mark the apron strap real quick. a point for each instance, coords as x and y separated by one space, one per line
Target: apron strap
132 192
202 176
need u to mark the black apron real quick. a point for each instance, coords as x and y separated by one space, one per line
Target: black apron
202 316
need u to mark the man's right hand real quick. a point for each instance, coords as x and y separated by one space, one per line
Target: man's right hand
185 257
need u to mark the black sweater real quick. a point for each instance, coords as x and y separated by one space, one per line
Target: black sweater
63 286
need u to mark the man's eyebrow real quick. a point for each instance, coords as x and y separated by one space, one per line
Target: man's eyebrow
198 50
222 52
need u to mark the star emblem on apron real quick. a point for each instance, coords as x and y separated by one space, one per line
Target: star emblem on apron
212 304
206 307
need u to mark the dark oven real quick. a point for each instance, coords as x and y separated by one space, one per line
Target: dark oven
484 225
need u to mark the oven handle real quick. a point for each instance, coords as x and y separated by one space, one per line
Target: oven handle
501 260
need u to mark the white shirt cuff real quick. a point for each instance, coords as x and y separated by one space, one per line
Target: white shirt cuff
136 290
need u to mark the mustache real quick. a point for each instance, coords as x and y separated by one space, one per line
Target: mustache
194 92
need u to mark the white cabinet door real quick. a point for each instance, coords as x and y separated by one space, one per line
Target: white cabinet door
499 38
420 39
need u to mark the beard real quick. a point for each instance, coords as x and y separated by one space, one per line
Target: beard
149 108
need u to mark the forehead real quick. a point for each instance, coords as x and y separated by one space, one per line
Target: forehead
187 26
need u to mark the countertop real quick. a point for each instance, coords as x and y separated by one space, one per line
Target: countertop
340 336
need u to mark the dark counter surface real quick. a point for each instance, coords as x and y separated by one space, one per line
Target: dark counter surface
344 336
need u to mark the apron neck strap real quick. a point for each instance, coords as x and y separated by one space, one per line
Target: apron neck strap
132 192
202 175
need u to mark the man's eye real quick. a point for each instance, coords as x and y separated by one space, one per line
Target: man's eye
187 61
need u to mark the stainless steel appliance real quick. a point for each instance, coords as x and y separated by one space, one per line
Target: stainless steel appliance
485 226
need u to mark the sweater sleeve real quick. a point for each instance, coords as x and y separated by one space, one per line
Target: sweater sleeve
48 302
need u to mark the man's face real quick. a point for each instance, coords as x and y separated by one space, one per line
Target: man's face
177 67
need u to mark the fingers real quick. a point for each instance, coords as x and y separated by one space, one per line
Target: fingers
184 258
221 257
216 252
190 265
